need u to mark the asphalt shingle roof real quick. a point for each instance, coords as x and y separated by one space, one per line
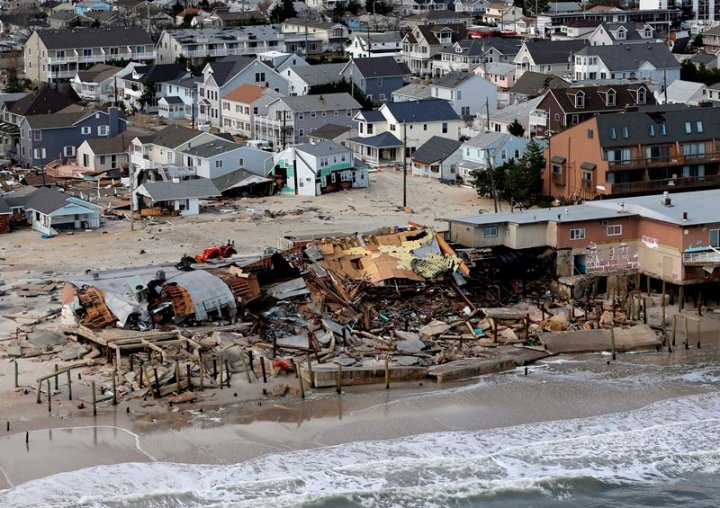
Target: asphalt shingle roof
630 56
428 110
322 102
382 140
322 148
321 74
436 149
171 136
185 189
44 101
545 52
212 148
383 66
225 68
46 200
94 37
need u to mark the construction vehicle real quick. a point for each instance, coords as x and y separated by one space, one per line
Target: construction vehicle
217 252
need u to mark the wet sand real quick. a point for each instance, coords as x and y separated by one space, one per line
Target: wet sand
560 388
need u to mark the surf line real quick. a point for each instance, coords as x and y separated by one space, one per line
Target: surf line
135 436
7 478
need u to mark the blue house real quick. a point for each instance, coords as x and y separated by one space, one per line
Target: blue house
377 77
44 138
83 7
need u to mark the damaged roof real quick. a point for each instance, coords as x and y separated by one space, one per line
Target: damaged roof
185 189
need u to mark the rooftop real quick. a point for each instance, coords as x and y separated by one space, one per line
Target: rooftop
94 37
185 189
428 110
322 148
212 148
322 102
436 149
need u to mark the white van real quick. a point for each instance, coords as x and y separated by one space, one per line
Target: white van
260 144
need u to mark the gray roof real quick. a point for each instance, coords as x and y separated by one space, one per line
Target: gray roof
330 131
212 148
321 74
322 148
4 207
19 196
489 139
416 90
225 68
478 47
675 119
703 58
379 37
549 52
631 56
372 115
238 178
185 189
115 145
57 120
429 110
47 201
187 36
171 136
94 37
452 79
98 73
173 99
436 149
576 213
535 83
322 102
382 140
383 66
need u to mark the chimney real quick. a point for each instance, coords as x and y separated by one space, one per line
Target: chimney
666 199
113 121
684 216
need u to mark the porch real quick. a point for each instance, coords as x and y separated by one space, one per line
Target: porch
377 151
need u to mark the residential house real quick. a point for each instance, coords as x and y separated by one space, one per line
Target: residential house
489 150
410 7
423 43
467 93
179 97
377 77
533 84
98 83
315 169
237 109
281 61
92 6
45 100
576 30
159 156
382 133
5 215
437 17
196 44
331 132
501 15
711 40
218 157
189 13
502 75
320 36
161 20
50 211
564 107
470 54
226 74
651 61
659 19
713 92
324 5
683 92
547 57
67 19
223 17
302 79
242 183
104 155
61 54
522 112
370 45
670 238
174 198
132 86
44 138
292 120
609 34
438 158
669 147
473 7
412 92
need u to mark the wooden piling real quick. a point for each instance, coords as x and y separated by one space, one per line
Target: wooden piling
648 285
177 376
262 367
699 323
69 380
612 343
227 373
674 329
57 384
387 373
699 302
687 335
189 376
310 372
39 392
339 379
114 386
49 397
644 307
300 379
215 369
681 304
201 361
142 374
221 383
17 374
157 383
247 369
94 399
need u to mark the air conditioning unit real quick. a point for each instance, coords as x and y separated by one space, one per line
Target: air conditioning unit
605 222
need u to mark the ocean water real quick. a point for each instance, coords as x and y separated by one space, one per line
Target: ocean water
666 453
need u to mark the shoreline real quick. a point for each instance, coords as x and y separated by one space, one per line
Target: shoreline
553 390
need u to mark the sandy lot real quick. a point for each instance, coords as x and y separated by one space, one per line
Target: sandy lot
26 255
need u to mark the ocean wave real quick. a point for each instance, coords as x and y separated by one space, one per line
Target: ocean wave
661 442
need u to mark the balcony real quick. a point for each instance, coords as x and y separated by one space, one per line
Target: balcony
62 60
704 257
683 183
62 74
664 160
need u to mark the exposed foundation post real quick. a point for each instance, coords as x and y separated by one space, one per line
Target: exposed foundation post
674 329
387 370
612 343
681 303
94 400
69 379
339 379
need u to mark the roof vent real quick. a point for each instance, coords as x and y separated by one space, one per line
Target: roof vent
666 199
684 216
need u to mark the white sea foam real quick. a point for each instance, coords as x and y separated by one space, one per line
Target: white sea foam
660 442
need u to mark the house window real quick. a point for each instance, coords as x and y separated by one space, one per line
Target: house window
392 127
688 128
611 98
663 129
86 130
577 234
640 96
69 151
625 132
103 130
615 230
458 95
589 133
312 114
574 119
699 126
651 130
218 164
490 232
259 77
444 128
39 153
37 135
86 160
102 159
369 128
714 238
424 126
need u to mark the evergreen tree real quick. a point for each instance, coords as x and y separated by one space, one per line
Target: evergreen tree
148 95
353 7
13 84
516 128
536 6
283 11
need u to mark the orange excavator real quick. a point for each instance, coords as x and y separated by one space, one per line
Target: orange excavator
217 252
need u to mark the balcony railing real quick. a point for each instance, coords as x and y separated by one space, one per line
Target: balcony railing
688 182
703 257
664 160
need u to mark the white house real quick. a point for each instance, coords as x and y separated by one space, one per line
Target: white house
608 34
489 150
368 45
650 61
467 93
179 98
302 79
225 75
312 169
437 158
98 82
104 155
50 211
219 157
237 109
169 197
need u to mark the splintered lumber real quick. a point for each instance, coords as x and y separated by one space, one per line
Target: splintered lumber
581 341
154 347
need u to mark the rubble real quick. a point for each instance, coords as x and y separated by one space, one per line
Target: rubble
399 304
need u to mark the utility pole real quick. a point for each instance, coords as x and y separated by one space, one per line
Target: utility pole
492 179
132 198
404 165
487 112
